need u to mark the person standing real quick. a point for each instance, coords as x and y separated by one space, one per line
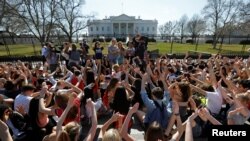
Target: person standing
113 52
122 53
140 43
98 50
85 47
43 51
74 56
51 57
130 52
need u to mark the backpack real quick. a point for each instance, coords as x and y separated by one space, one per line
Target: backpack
158 115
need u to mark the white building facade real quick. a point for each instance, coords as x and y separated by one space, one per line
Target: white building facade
122 25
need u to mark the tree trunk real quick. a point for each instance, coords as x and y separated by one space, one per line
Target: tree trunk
70 39
12 38
221 43
181 38
214 42
193 39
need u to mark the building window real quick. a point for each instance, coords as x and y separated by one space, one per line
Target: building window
97 28
102 28
137 29
148 29
108 28
153 28
91 28
142 29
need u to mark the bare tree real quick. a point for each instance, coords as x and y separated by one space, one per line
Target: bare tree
2 8
245 17
168 29
162 31
69 17
245 10
182 25
37 15
196 26
13 26
218 13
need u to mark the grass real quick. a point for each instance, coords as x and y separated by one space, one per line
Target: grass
27 49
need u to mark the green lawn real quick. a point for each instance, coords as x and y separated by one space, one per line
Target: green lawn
27 49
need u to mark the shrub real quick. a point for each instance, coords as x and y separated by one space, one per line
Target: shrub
210 41
151 40
121 39
190 41
245 42
98 39
108 39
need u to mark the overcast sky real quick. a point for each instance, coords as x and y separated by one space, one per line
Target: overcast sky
162 10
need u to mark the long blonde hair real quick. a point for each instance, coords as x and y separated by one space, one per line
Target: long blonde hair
111 135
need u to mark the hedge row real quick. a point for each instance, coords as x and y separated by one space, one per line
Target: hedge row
118 39
153 55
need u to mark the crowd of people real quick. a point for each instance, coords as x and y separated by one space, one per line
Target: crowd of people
65 97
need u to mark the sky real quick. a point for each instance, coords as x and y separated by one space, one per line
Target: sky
161 10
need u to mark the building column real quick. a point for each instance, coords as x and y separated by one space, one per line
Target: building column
112 29
119 28
134 29
126 28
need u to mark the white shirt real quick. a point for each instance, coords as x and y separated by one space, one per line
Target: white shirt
214 101
22 100
117 75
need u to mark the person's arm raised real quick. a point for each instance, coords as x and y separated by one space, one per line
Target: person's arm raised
124 129
148 102
64 115
76 89
247 70
4 132
128 88
172 118
196 80
149 71
93 128
212 75
163 79
223 93
42 107
184 127
99 68
189 131
210 117
197 89
106 125
228 82
144 79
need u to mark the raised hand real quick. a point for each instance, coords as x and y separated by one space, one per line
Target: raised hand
134 108
115 117
42 92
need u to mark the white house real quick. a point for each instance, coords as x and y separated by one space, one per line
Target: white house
122 25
